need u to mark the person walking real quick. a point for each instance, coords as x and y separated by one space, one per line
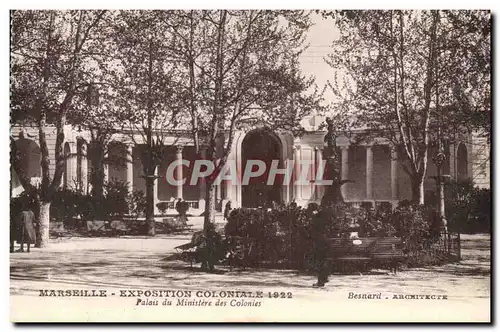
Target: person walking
227 210
320 247
182 208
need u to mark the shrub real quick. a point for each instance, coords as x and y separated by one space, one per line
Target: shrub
282 236
137 203
342 217
163 207
85 207
115 201
410 223
468 208
66 205
210 247
377 223
287 229
260 231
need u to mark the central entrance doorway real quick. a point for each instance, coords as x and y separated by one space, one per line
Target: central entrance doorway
264 145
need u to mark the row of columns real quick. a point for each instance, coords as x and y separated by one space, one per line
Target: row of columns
81 173
178 175
319 190
130 172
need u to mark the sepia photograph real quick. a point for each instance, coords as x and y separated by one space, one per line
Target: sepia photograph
237 166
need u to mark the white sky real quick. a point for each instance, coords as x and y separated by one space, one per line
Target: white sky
320 38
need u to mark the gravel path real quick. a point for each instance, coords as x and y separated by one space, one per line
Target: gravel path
141 263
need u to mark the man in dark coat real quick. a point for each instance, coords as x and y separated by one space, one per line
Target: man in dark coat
182 207
320 246
227 210
22 230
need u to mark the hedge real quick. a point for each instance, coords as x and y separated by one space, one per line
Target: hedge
282 236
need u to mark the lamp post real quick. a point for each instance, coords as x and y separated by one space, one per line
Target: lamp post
439 160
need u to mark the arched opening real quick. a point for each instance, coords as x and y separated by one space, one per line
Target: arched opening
29 156
462 165
265 146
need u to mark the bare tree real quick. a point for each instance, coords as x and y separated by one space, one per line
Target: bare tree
240 72
49 53
147 93
398 74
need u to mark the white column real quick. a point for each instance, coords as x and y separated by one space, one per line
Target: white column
218 193
394 175
318 187
369 172
179 176
344 175
73 166
227 194
298 187
84 169
155 191
130 168
106 168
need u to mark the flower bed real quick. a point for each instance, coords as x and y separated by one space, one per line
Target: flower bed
282 236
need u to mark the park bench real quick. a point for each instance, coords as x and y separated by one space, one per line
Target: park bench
196 250
107 228
188 252
384 251
239 249
56 228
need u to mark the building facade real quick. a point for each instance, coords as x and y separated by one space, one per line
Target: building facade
373 168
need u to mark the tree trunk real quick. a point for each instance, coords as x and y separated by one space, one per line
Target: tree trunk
209 205
42 239
444 222
417 189
150 208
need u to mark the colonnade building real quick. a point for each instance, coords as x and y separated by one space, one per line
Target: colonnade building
373 167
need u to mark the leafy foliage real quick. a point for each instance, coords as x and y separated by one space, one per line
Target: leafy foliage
66 205
412 77
278 236
284 235
153 72
137 203
50 53
69 204
468 208
239 69
116 198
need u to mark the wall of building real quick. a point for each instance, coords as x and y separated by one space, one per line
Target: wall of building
480 160
307 148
